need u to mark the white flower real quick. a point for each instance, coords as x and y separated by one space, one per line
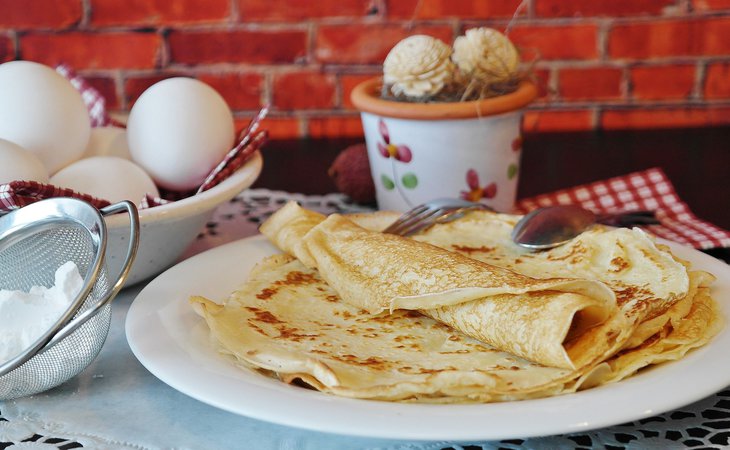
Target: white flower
418 66
486 55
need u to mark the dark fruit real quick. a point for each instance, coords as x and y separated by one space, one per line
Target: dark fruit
350 172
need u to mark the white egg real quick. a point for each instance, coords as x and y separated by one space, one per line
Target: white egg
106 177
108 141
42 112
178 131
17 163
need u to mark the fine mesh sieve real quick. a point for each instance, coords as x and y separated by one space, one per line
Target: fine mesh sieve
34 242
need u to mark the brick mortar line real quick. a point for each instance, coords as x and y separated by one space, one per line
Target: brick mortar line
191 27
722 103
580 64
572 107
360 68
624 20
644 62
530 11
233 68
626 87
603 31
230 69
235 15
604 25
267 89
310 44
596 20
303 126
376 68
234 20
165 52
85 13
339 99
302 113
231 23
553 84
220 25
595 117
14 43
699 80
119 90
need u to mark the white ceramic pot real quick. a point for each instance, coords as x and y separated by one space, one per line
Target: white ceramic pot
422 151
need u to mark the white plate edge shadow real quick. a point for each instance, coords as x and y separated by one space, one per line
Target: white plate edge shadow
158 334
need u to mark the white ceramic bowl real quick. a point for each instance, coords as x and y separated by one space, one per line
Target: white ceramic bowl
167 230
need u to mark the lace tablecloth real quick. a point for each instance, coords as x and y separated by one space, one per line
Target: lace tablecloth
116 404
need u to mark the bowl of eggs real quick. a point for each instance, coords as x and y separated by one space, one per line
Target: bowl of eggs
177 133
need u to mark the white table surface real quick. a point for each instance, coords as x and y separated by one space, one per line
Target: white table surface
117 404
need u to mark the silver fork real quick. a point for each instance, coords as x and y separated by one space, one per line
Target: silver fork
441 210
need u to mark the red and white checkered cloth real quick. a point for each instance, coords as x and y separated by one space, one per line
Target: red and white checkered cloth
95 102
16 194
250 140
647 190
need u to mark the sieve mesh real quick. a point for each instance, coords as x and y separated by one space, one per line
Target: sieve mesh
31 259
34 242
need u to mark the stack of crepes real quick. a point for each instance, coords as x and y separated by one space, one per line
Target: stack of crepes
457 313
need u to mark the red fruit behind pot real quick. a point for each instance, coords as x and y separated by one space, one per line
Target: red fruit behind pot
350 172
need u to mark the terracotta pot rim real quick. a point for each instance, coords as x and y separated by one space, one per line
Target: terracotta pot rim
366 98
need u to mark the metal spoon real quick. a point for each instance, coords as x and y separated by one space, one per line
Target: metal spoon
549 227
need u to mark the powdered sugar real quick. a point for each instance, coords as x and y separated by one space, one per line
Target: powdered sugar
25 316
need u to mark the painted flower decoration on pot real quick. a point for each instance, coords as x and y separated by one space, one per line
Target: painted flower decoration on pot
477 192
513 168
397 154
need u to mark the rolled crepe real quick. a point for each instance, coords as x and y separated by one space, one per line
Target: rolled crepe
559 322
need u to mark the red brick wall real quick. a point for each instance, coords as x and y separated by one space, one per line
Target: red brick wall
601 64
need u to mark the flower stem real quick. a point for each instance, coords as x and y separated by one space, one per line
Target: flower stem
397 183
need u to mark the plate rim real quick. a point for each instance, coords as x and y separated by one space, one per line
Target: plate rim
392 420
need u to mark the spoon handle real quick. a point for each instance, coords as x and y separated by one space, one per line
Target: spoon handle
628 218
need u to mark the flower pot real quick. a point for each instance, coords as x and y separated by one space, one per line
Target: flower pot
422 151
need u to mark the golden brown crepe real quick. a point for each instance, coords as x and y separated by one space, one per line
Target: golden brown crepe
531 318
647 279
288 322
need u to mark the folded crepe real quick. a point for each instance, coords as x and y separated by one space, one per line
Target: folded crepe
560 322
647 279
287 322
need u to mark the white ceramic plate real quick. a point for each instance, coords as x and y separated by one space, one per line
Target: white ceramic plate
172 342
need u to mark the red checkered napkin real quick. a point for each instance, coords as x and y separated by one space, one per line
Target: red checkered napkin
95 102
16 194
250 140
649 190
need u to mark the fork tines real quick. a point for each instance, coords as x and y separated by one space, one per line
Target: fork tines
430 213
416 220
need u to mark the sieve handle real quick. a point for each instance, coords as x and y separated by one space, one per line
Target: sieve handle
131 210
